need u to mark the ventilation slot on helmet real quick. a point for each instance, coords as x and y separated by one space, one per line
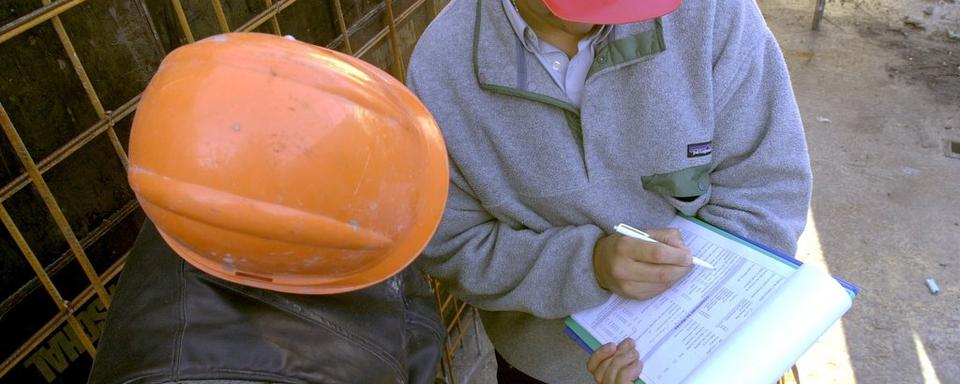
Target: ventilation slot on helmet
268 279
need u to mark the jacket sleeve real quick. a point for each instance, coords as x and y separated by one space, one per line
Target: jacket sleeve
496 267
761 184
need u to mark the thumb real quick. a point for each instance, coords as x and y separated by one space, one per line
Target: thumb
600 355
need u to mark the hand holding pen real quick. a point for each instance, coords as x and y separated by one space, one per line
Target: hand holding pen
627 230
641 269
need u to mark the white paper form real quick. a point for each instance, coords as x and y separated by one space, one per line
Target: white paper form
678 329
779 332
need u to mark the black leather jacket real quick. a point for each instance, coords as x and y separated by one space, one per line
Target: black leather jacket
170 322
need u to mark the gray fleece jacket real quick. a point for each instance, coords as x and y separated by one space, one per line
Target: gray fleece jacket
692 113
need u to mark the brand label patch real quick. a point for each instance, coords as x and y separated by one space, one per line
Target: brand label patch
699 149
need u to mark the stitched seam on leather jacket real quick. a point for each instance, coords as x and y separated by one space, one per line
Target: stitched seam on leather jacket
181 329
351 337
415 317
250 377
404 308
423 322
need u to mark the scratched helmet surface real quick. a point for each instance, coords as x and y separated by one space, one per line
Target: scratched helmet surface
281 165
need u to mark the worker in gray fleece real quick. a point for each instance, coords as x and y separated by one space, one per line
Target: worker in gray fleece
562 119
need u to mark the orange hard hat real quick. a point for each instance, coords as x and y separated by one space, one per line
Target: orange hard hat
281 165
610 11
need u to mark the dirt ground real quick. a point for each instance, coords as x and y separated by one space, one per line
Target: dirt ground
879 90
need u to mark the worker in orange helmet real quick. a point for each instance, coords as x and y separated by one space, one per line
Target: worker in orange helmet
288 190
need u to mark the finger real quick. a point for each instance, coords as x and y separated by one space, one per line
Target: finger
601 354
663 274
641 291
657 253
649 273
621 358
624 357
647 251
669 236
604 366
602 369
629 373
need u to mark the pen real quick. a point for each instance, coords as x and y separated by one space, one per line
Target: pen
629 231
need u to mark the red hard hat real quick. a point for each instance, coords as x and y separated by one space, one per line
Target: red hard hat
610 11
